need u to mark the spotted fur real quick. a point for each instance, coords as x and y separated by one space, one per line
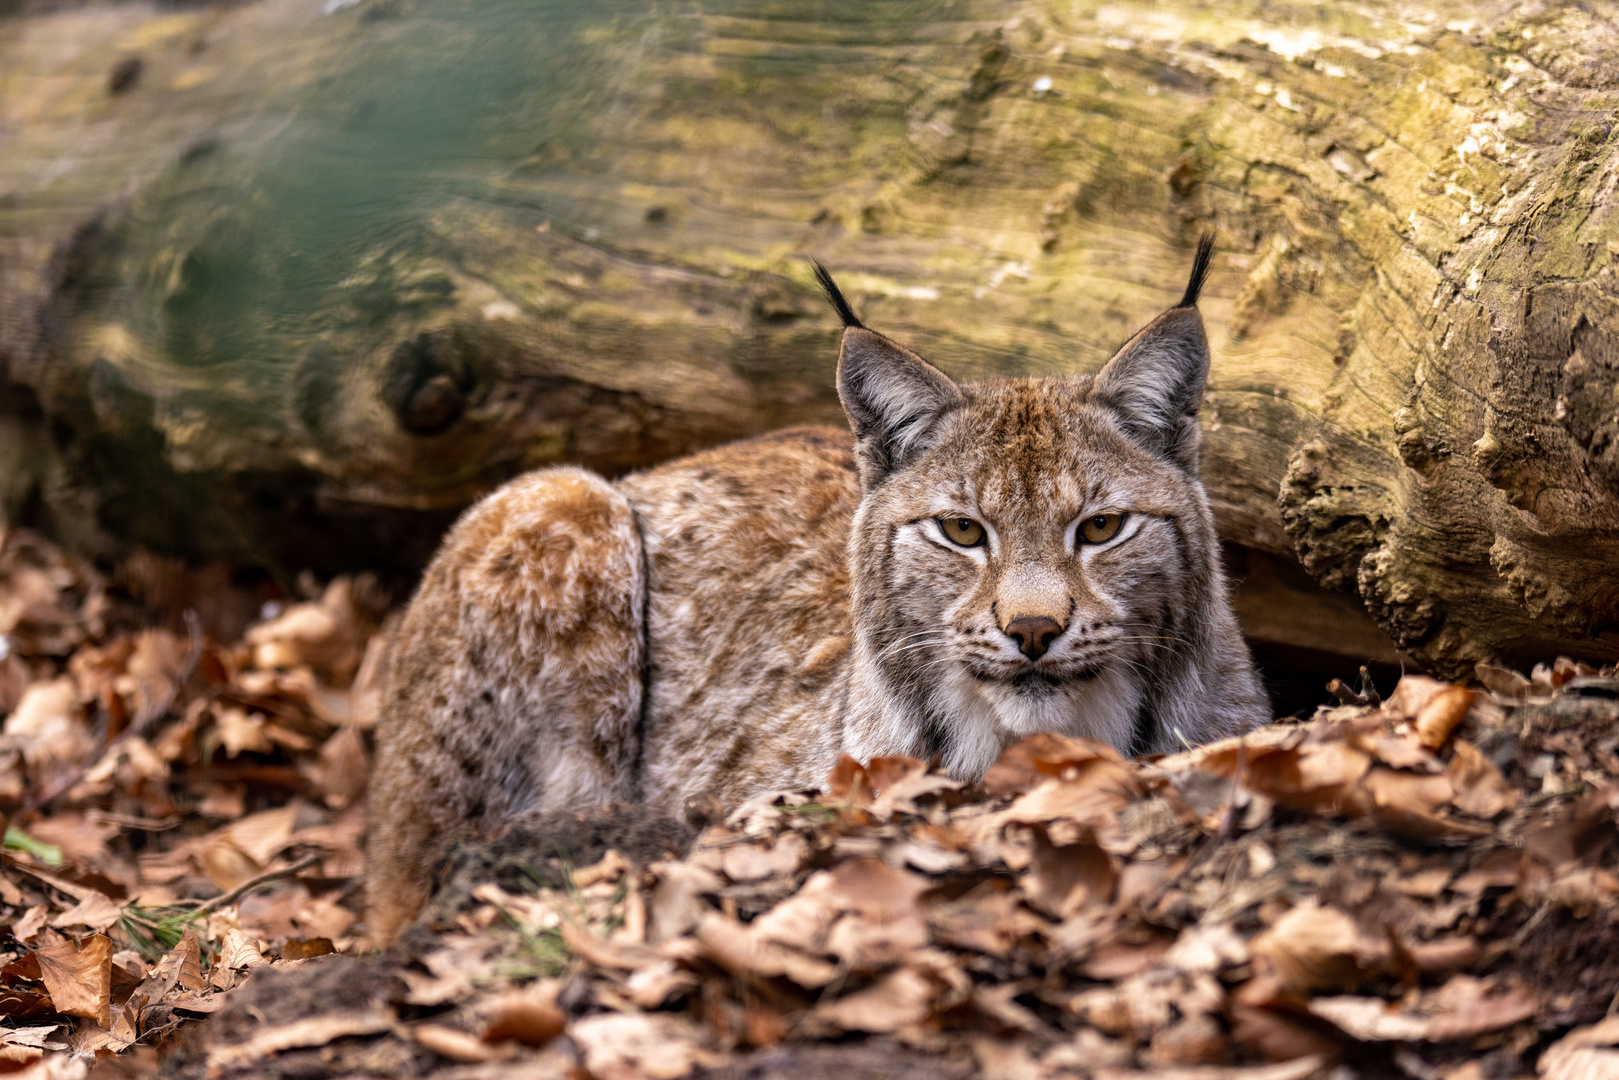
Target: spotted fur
731 622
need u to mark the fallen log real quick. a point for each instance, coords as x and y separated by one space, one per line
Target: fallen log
294 286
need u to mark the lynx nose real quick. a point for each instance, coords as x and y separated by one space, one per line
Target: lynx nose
1034 634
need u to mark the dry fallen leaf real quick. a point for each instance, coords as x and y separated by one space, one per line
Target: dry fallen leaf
1086 1051
1439 717
180 968
82 837
1586 1053
457 1045
48 728
1019 767
238 950
875 889
1000 1059
1502 682
94 911
327 636
1412 695
1330 775
898 1000
79 978
1316 947
323 917
849 782
241 732
1194 1040
652 986
1406 792
988 919
1404 751
242 849
525 1017
1207 949
1445 956
31 922
1461 1009
1500 869
260 836
676 904
1085 798
901 781
1063 879
24 1045
638 1047
1481 790
305 948
1302 1067
155 665
313 1031
341 770
864 944
744 951
55 1067
750 862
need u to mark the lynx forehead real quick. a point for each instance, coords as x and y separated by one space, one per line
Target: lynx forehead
971 564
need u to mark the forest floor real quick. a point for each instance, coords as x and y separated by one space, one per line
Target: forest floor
1422 887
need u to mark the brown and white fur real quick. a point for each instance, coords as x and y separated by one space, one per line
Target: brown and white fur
729 623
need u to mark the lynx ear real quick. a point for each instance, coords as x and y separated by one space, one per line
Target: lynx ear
892 396
1155 382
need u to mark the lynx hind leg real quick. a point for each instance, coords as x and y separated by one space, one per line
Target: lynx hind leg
516 681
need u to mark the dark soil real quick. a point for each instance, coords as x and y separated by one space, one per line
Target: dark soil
1573 963
315 988
541 850
877 1059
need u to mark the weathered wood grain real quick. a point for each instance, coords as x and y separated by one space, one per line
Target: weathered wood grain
336 270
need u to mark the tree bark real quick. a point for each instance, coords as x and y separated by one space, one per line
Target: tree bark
306 283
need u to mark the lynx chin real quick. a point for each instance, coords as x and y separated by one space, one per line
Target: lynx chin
972 564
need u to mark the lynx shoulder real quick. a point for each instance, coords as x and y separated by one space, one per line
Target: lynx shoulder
969 565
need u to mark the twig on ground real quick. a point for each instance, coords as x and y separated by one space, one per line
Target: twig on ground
1367 694
230 897
1534 920
131 821
1228 816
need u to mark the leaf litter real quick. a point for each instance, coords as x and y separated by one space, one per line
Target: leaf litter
1422 887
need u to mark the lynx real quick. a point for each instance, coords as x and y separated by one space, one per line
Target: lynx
974 564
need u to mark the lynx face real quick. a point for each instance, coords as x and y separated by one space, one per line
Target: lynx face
1037 555
1033 558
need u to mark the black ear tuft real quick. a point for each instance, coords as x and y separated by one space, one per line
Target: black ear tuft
834 295
1200 270
1154 383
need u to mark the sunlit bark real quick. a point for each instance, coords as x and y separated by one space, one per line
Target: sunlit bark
310 282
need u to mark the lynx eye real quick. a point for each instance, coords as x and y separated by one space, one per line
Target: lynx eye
962 530
1101 528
